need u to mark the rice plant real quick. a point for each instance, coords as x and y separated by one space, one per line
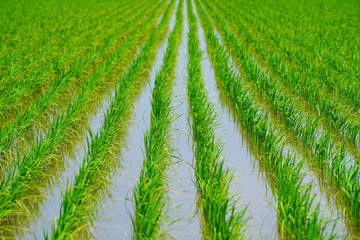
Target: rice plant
19 91
150 194
286 73
27 119
221 219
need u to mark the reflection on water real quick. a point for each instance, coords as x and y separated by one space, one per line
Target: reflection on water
114 219
183 192
249 186
328 210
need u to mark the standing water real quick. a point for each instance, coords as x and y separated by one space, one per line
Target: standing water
114 221
248 185
183 191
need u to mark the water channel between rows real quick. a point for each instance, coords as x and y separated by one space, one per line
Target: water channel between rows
183 207
114 218
249 185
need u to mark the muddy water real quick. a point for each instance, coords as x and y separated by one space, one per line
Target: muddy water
114 221
183 192
250 187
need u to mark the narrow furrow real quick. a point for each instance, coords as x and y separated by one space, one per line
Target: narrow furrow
150 194
79 199
221 219
297 217
183 194
248 184
116 208
114 217
32 167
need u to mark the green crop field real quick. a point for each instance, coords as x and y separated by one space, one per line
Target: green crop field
180 119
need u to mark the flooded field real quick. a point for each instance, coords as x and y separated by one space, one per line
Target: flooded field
179 119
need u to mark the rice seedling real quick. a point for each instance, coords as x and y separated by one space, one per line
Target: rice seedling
21 179
220 218
46 17
150 194
79 201
297 217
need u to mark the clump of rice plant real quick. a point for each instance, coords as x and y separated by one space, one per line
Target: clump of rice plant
150 194
221 220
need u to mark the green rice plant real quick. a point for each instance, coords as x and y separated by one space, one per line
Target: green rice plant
28 118
220 218
331 160
79 199
150 194
22 178
302 84
328 69
297 218
40 78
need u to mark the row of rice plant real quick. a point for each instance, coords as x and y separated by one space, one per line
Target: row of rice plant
19 184
74 75
297 217
221 219
333 69
150 194
29 85
333 161
80 198
302 84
